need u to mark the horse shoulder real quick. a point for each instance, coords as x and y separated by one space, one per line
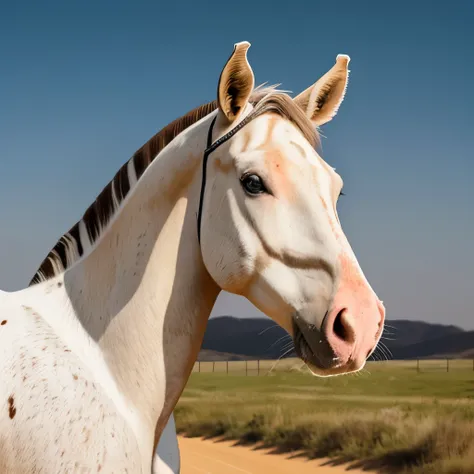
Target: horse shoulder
54 416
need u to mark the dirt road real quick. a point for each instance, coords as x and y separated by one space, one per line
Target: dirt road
200 456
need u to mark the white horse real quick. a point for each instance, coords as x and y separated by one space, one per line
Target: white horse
95 354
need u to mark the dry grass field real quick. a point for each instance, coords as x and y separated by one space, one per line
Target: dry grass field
394 416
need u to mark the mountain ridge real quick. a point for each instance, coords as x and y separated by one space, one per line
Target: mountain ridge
260 338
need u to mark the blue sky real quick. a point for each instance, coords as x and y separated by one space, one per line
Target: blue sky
84 84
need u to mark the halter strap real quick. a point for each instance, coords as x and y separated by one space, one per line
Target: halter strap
209 149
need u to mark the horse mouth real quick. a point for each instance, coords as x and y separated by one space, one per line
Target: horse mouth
302 349
305 352
322 361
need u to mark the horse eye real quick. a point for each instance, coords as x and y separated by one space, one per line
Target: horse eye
253 184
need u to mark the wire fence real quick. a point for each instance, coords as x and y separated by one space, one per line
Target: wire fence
266 367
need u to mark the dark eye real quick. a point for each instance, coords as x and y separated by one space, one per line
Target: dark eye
253 184
341 194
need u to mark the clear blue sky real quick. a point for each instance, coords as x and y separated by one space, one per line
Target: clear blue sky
84 84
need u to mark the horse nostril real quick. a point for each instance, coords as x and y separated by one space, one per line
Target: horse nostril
343 326
338 327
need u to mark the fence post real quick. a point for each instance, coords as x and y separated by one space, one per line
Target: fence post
227 366
199 366
258 366
213 366
418 365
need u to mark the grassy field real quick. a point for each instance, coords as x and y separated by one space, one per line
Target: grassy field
389 417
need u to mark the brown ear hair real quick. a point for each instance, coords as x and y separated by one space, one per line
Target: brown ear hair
321 101
236 82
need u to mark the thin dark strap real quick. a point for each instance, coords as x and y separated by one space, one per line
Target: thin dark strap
210 148
203 181
209 133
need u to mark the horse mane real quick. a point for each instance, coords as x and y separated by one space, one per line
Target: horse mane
70 246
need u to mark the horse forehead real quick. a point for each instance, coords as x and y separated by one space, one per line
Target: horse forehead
273 132
278 140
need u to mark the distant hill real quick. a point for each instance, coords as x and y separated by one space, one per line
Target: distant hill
459 345
406 332
260 338
256 337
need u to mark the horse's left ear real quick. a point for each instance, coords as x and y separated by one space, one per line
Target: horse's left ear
320 102
235 83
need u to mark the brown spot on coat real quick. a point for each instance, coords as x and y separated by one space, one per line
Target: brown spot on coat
272 122
277 164
4 322
223 167
11 407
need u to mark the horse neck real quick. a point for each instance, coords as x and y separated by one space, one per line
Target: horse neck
143 296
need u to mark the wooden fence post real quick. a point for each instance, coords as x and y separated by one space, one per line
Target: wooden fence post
199 366
418 365
258 367
246 367
227 366
447 365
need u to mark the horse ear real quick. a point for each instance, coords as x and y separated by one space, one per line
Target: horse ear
235 83
321 101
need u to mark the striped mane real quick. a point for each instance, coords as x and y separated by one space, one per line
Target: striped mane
85 233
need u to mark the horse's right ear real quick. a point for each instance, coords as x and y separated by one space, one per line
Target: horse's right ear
235 83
